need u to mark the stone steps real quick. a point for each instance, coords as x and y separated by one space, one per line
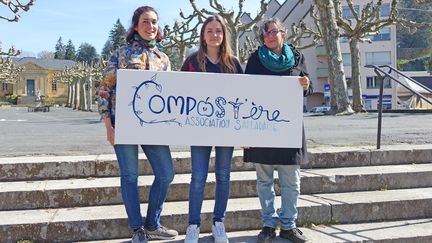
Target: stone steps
106 190
404 231
76 198
110 222
64 167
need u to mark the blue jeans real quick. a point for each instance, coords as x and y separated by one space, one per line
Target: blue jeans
161 162
289 180
200 164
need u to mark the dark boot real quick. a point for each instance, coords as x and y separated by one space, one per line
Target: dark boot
294 235
266 235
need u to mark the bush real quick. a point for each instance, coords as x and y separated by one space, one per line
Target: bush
49 101
12 98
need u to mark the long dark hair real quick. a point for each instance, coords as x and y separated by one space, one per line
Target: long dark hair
225 51
135 18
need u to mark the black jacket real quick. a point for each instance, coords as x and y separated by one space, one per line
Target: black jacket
278 156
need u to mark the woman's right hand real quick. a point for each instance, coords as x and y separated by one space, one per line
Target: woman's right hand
109 130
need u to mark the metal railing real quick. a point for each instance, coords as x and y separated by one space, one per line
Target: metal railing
381 76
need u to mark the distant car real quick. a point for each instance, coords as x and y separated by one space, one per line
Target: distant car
319 109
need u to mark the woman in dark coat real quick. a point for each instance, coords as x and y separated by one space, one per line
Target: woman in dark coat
275 57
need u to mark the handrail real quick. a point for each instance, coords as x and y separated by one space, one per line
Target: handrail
407 77
378 69
381 75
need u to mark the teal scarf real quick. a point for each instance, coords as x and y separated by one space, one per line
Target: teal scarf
274 62
146 43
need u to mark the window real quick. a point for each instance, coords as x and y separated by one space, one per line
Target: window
5 86
368 104
378 58
347 13
346 59
373 83
383 35
54 85
385 10
387 104
349 82
343 39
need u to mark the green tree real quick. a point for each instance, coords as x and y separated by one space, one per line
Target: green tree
70 51
107 50
117 35
87 53
59 52
419 13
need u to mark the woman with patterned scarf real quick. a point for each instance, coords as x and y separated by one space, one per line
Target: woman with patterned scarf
139 53
275 57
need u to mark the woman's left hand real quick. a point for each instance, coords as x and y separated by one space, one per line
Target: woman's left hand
304 82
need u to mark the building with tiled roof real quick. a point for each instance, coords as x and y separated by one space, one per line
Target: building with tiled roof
38 77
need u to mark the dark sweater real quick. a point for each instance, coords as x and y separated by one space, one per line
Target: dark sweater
278 156
191 65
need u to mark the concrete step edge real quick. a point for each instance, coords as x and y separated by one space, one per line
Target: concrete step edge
92 223
105 191
417 230
36 168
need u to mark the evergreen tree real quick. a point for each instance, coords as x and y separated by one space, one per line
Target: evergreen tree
107 50
87 53
59 49
117 35
420 14
70 51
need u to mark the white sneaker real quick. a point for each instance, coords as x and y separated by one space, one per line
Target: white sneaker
192 234
219 234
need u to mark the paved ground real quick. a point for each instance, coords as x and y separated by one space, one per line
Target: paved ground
63 131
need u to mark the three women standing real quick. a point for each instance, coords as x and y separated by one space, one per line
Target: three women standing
139 53
214 55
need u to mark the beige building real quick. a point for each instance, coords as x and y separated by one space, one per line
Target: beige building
382 50
38 79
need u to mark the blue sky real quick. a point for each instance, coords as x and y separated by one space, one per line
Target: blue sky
86 20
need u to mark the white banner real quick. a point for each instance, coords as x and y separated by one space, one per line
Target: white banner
187 108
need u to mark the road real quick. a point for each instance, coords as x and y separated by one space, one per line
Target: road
63 131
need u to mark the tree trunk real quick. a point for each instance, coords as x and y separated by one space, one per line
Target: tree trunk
182 50
234 42
90 95
77 95
83 97
72 98
69 99
330 32
355 76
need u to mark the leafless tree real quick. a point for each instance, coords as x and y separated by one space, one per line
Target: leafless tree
15 6
80 80
182 36
233 20
359 28
9 72
330 37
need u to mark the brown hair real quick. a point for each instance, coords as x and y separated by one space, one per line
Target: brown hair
265 25
225 51
135 19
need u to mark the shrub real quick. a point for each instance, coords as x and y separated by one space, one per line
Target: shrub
12 98
49 101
